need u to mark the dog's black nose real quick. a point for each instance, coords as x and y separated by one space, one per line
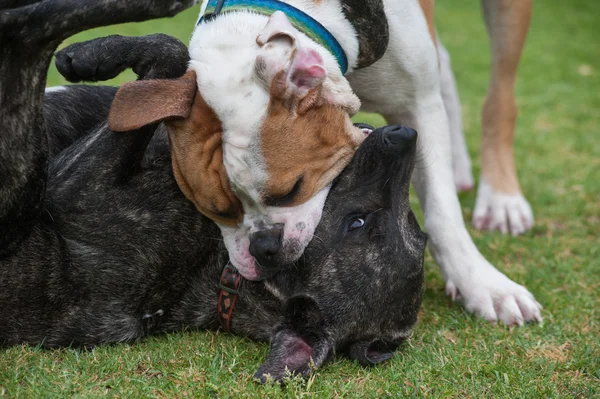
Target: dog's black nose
265 244
399 136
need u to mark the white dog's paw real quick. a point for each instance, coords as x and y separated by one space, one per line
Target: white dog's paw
503 212
493 296
463 176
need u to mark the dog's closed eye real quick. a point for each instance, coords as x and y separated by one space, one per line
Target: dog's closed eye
286 199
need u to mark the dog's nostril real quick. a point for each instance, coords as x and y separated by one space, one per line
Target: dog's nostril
399 135
264 245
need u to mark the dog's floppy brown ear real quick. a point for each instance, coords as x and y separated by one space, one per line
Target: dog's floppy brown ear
197 159
143 102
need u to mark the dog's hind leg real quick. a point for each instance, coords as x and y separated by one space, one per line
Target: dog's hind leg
461 162
500 203
28 37
6 4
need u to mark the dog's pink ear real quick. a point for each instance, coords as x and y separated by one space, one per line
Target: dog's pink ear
143 102
278 26
307 71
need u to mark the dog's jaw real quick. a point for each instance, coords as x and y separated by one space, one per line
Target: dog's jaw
299 223
237 242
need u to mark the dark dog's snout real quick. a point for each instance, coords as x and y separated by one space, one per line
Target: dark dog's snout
265 244
399 137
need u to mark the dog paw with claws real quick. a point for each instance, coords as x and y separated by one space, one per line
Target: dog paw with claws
507 213
493 296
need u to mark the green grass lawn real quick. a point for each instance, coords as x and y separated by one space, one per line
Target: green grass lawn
451 353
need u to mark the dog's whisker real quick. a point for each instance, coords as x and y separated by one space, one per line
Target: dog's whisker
319 238
386 182
375 211
49 214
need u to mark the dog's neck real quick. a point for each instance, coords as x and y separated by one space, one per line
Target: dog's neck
329 14
359 25
300 20
258 306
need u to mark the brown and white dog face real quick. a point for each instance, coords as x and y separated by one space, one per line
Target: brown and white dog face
258 131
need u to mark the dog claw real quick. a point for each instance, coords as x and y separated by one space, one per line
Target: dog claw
451 290
501 212
492 296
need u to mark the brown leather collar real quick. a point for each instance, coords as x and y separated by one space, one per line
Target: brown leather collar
228 294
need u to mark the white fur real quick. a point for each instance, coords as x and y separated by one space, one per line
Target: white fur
89 140
504 212
461 162
297 231
274 291
237 242
405 87
55 89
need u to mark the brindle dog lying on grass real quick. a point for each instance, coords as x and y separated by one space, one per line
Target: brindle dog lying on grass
98 244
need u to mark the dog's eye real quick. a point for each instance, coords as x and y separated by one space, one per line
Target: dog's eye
366 128
356 223
285 199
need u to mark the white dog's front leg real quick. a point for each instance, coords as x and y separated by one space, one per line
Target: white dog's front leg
469 276
405 87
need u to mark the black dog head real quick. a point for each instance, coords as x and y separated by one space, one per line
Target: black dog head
359 286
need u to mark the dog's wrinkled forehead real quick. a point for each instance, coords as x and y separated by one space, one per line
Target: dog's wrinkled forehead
284 106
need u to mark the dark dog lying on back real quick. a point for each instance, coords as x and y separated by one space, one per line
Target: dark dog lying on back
99 245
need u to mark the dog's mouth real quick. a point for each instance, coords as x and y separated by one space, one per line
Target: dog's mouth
248 266
255 269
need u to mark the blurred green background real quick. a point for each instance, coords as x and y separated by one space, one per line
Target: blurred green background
451 354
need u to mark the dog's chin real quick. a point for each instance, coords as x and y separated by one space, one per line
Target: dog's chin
264 273
250 270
